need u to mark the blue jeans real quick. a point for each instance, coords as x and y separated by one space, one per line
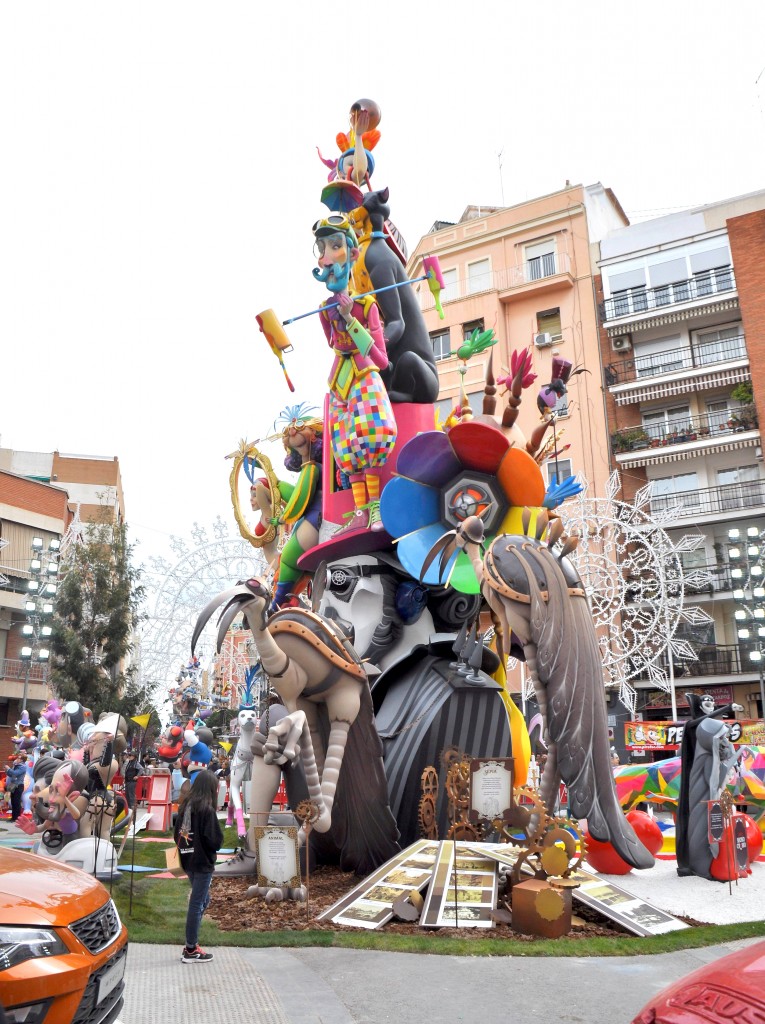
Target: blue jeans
198 901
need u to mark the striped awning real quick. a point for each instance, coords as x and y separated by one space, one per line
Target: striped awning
689 382
678 314
681 452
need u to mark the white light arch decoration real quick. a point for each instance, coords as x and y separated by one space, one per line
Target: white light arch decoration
177 591
636 583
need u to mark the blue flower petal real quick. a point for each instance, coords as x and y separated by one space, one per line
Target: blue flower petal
413 550
406 505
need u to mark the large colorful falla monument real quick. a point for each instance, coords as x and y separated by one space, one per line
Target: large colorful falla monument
416 539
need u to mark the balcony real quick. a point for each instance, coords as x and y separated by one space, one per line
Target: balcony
678 360
643 585
540 274
713 501
712 660
684 431
638 301
15 669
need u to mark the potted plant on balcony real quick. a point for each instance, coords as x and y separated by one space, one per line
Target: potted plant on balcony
743 393
629 440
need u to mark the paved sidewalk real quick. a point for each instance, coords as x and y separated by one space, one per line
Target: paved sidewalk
339 986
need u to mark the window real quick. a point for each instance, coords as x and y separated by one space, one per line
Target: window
539 260
718 415
630 300
441 347
666 422
548 322
669 491
479 276
740 487
561 470
720 345
451 289
467 329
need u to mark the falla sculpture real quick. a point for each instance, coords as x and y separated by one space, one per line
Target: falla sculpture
421 531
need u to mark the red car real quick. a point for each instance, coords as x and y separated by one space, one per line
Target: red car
730 989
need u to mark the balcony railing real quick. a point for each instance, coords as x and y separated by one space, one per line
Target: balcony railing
14 668
682 429
693 357
533 270
713 500
644 585
712 660
501 280
644 300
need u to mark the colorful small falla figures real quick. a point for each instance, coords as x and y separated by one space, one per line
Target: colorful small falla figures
362 427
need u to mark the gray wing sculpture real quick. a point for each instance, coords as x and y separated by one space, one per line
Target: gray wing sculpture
538 598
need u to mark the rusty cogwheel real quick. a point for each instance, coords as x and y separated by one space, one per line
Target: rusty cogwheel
458 783
464 832
427 812
528 818
307 812
429 781
450 756
565 836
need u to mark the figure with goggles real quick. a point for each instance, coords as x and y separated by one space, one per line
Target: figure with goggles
362 427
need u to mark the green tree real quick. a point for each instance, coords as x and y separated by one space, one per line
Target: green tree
96 615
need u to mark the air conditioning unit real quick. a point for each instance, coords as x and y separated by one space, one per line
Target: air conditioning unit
621 343
543 340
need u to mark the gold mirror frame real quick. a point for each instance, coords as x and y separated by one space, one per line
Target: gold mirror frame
249 451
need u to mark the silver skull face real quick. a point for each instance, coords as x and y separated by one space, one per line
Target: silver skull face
351 591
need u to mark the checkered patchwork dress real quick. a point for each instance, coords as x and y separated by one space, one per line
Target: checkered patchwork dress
362 426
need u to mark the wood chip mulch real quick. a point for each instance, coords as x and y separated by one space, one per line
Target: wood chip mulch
232 910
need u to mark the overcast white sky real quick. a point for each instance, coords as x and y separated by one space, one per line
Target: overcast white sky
158 181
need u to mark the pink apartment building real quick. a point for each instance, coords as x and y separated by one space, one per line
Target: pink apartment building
525 271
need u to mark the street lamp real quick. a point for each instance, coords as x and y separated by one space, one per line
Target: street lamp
41 591
747 552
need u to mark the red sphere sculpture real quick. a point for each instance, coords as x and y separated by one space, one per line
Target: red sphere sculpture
603 857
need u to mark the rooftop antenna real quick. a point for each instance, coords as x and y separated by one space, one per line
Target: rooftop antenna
501 181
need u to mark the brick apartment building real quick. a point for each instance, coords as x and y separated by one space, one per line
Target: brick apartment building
682 313
39 495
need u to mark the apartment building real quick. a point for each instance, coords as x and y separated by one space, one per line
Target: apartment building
525 271
34 515
682 313
91 481
39 494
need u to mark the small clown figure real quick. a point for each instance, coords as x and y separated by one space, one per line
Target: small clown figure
362 427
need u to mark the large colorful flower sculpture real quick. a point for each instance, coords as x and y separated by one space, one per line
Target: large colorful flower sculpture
442 479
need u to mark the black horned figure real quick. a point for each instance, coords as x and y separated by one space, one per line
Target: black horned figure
537 598
411 375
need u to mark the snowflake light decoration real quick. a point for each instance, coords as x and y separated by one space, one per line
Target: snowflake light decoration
178 590
635 582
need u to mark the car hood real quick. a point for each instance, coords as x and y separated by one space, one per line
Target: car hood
38 891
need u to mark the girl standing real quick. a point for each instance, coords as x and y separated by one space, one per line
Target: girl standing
198 837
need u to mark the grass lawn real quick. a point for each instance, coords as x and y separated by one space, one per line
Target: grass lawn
155 912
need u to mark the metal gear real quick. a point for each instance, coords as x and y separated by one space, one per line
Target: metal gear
562 848
528 818
464 832
427 815
307 812
429 781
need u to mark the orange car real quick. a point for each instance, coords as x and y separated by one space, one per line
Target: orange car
62 945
